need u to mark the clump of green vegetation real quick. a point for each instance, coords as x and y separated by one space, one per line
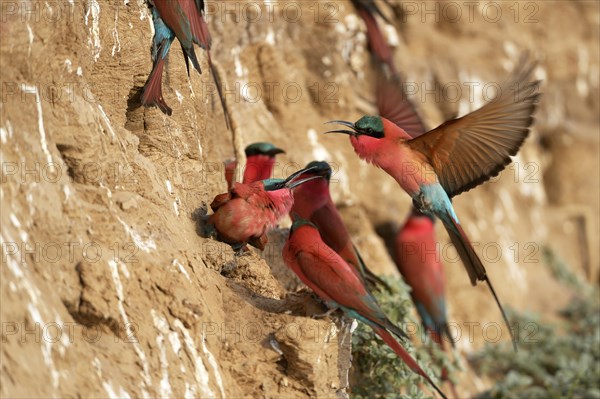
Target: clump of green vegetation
377 370
555 361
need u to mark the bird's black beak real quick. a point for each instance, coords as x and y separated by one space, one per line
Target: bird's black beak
352 132
296 183
298 173
276 151
290 183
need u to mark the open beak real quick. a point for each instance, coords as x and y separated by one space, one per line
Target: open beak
290 183
278 184
298 173
352 132
296 183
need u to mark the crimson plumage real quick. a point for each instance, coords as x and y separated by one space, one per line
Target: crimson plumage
338 284
313 202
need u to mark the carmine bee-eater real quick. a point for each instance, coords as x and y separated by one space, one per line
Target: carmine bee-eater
184 20
260 160
246 213
379 46
454 157
312 201
418 260
339 286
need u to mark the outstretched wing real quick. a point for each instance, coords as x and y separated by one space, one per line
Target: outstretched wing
393 104
468 151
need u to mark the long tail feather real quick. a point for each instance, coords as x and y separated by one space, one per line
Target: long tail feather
219 86
152 92
438 332
465 250
187 60
439 340
448 335
510 331
191 54
473 264
406 357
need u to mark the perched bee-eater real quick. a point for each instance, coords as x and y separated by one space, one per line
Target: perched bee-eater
339 286
246 213
312 201
260 160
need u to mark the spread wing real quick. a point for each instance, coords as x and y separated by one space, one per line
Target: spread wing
393 104
468 151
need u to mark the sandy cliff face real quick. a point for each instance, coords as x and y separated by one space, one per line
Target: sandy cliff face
108 290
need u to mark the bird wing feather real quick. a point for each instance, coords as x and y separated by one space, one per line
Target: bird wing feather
220 200
331 226
393 104
328 273
468 151
200 33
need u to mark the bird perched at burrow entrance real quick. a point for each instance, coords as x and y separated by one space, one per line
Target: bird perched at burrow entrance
247 212
367 10
312 201
184 20
260 160
454 157
340 287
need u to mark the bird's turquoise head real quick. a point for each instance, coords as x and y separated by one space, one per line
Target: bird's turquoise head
263 148
273 184
290 182
368 125
320 168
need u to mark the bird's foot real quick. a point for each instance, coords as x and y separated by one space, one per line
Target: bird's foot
324 315
423 204
259 242
240 249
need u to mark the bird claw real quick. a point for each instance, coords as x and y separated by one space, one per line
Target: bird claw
421 203
240 249
324 315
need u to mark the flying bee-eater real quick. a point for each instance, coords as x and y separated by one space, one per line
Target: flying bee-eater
454 157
